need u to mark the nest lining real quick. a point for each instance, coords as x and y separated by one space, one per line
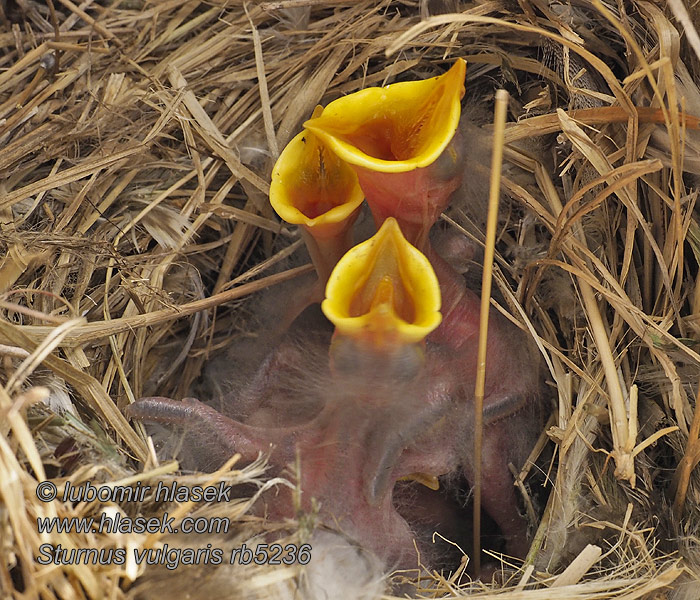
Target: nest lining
138 140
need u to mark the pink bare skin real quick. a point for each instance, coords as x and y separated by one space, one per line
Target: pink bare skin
359 421
381 418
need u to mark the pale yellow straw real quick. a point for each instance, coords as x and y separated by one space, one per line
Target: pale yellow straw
495 190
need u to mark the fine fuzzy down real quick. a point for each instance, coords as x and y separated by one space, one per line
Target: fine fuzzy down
138 140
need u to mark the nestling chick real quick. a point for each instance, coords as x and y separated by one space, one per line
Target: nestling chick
389 393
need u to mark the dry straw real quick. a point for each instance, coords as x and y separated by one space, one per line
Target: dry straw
137 141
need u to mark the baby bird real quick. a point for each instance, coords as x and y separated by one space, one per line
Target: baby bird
387 365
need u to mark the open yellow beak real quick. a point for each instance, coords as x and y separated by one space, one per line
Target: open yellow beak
384 291
313 188
394 129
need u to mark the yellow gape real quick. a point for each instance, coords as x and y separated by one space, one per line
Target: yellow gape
397 128
384 291
313 188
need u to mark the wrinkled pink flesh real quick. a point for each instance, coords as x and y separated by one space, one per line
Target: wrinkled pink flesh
353 452
373 432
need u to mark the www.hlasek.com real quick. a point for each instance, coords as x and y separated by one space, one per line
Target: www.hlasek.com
112 521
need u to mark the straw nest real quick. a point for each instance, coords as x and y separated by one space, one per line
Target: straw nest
137 142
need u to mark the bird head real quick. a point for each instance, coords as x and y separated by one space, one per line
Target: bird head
313 188
383 298
399 140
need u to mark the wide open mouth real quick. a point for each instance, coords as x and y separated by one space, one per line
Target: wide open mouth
311 186
384 289
397 128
